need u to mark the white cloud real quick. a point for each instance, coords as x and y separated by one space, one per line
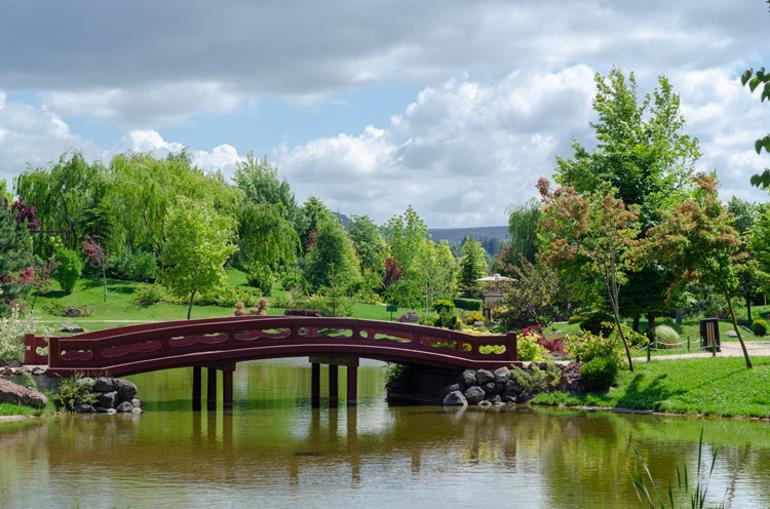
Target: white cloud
222 157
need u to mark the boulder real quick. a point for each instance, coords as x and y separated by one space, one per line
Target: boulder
469 378
126 390
136 411
38 371
474 394
449 388
484 376
105 384
84 409
495 399
107 399
570 378
502 375
125 407
490 388
73 313
507 398
102 410
20 395
485 404
71 328
455 398
136 402
14 363
86 381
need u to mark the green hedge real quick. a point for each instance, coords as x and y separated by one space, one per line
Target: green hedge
468 304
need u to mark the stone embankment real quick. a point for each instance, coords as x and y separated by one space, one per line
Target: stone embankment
510 385
110 396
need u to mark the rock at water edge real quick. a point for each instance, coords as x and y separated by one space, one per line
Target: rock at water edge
474 394
484 376
20 395
455 398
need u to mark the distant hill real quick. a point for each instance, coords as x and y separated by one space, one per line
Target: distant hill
491 237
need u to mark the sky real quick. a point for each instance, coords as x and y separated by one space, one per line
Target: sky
454 107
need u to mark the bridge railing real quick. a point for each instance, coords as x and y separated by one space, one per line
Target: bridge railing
157 345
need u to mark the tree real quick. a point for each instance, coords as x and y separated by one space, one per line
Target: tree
522 225
436 271
266 237
698 241
369 244
16 258
750 276
313 212
69 268
404 234
595 231
642 153
97 258
331 260
198 243
473 265
754 80
531 295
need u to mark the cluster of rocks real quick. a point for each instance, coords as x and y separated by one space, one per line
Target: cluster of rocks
20 395
14 368
112 395
487 388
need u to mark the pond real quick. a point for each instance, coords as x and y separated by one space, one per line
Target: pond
274 451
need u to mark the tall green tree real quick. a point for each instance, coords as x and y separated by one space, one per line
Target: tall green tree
404 234
198 242
16 258
473 265
312 213
759 80
642 152
590 233
370 246
522 226
697 239
331 261
436 271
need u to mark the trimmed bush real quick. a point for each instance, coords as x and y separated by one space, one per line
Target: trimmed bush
759 327
68 269
588 346
467 304
474 317
529 349
599 374
575 319
666 336
443 305
138 266
149 294
596 323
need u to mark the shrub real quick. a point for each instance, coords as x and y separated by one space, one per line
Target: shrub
467 304
68 269
261 276
148 295
139 266
12 330
598 322
599 373
554 346
759 327
535 380
331 303
429 319
666 335
588 346
474 317
528 348
71 393
410 317
443 305
575 319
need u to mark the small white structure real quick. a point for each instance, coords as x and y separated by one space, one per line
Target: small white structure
493 289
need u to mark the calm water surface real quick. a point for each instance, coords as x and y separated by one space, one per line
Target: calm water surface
274 451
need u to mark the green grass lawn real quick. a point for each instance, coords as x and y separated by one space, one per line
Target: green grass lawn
720 387
120 305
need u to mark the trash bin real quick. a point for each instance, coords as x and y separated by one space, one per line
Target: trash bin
709 334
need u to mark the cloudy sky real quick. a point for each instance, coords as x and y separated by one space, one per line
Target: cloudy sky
456 107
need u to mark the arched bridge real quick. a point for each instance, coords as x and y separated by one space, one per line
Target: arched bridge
218 343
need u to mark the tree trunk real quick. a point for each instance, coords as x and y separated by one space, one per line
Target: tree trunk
650 324
623 338
637 319
104 276
735 325
748 306
189 306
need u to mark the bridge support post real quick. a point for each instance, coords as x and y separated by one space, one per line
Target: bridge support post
333 386
352 372
227 385
211 393
196 388
315 385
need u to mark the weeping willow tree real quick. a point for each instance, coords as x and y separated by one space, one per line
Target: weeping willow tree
522 225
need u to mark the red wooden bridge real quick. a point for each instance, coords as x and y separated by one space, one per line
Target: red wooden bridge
218 343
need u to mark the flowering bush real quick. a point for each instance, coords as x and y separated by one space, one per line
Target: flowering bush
529 349
12 330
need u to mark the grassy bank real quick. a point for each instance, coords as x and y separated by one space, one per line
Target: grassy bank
9 409
719 387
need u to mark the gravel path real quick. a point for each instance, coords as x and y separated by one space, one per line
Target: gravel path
731 349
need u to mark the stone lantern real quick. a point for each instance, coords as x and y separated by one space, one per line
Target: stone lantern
493 289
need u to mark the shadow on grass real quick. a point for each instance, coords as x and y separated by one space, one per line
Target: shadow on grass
646 396
113 285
